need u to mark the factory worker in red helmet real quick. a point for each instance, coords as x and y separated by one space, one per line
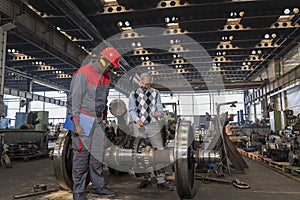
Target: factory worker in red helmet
87 106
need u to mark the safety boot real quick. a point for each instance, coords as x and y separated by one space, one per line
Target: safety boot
165 186
79 196
104 192
144 184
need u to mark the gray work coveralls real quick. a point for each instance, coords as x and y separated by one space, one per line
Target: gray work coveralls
88 95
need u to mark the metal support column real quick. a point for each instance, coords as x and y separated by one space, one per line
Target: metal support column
254 109
29 89
246 93
3 38
3 34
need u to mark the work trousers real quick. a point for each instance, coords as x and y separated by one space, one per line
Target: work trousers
153 134
88 158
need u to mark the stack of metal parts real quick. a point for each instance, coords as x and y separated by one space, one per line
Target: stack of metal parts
25 143
291 119
276 149
256 142
294 154
29 148
293 133
119 135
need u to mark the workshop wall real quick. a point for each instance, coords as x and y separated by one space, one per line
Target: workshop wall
293 99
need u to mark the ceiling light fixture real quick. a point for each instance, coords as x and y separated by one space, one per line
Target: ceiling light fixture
127 23
287 11
120 24
233 14
267 36
224 38
167 19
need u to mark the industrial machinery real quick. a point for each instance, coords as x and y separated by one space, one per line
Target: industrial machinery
30 140
277 149
25 143
38 119
279 145
294 154
118 134
185 153
220 140
293 132
289 119
255 141
171 119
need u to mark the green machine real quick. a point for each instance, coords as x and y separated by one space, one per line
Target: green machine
275 120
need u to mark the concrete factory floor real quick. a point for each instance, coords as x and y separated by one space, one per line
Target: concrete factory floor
265 184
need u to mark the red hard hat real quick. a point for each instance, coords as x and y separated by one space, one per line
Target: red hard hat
112 55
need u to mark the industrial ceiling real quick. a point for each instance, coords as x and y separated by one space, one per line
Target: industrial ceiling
194 44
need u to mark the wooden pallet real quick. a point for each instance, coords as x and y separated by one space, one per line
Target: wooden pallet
285 168
295 171
277 165
252 155
241 151
26 158
255 156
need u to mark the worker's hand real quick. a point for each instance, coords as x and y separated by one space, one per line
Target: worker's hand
77 129
139 123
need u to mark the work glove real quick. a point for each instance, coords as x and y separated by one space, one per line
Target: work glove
77 128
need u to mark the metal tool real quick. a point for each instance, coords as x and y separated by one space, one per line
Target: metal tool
39 187
236 183
34 194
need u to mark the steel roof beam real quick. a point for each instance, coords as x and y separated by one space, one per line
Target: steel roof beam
33 97
77 17
36 31
215 86
37 80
